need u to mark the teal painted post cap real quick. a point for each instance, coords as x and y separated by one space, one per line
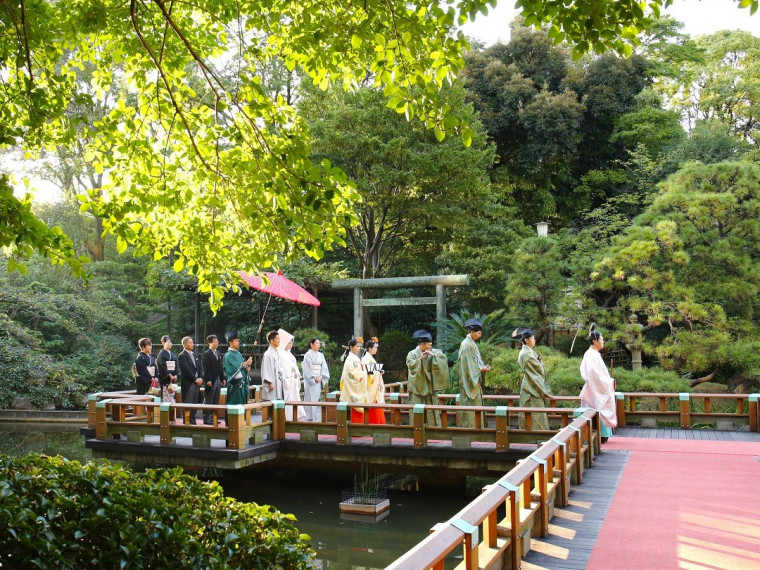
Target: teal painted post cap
278 404
466 528
165 406
223 391
102 403
418 409
342 406
560 443
753 397
578 412
683 396
619 396
395 396
235 410
334 393
156 399
458 395
501 411
94 396
537 460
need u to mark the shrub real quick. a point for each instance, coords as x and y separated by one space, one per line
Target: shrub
394 346
102 515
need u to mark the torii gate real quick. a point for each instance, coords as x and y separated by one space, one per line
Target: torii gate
439 281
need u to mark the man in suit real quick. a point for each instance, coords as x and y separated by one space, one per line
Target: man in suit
190 375
212 364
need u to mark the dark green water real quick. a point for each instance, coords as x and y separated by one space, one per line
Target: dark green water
341 541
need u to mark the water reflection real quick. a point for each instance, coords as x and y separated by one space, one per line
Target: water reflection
64 440
345 541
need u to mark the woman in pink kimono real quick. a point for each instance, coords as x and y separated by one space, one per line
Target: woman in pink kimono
599 390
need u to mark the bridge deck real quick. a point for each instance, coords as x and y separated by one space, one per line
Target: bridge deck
578 540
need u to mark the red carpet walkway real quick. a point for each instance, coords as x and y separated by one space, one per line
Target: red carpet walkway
661 503
683 504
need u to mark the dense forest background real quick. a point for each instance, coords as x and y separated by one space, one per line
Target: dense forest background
646 169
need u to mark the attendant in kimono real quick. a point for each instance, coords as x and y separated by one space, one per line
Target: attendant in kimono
534 390
315 376
190 376
353 381
291 379
167 370
145 365
271 370
375 385
471 371
236 369
212 364
428 374
599 390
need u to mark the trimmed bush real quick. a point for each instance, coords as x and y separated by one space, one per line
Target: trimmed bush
102 515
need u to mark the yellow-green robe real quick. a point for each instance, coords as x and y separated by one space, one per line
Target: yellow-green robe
534 390
470 380
427 377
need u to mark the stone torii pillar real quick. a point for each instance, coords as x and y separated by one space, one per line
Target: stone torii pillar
439 281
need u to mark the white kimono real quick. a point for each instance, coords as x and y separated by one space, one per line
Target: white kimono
313 366
599 390
271 375
291 377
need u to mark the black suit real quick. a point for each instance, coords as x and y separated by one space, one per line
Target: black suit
212 363
144 377
189 372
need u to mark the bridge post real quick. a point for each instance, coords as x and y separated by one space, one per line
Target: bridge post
513 517
542 485
685 409
223 396
92 400
502 428
164 417
754 416
420 438
395 412
330 411
101 432
236 427
278 420
620 401
342 421
471 541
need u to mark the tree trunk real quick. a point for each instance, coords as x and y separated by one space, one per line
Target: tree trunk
703 379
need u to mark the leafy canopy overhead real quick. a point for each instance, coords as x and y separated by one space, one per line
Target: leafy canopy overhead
599 25
202 163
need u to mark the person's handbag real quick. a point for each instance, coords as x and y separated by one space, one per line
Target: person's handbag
155 389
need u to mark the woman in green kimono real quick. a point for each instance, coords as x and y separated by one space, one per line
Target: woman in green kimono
534 390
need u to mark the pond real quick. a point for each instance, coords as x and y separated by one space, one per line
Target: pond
341 541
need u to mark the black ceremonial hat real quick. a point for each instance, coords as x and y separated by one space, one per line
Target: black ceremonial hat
474 324
230 336
422 336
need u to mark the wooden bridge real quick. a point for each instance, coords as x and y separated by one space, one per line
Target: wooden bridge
520 520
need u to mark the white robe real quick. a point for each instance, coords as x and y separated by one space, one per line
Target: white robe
291 377
314 360
271 375
599 390
375 384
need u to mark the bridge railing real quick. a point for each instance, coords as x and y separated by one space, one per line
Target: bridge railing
419 424
688 410
136 418
528 494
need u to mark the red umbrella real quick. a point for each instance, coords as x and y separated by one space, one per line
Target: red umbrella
279 286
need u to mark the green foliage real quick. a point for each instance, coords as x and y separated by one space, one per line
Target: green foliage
653 379
303 336
394 346
413 188
205 160
691 262
104 515
496 330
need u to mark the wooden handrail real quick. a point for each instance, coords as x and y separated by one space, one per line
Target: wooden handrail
475 526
